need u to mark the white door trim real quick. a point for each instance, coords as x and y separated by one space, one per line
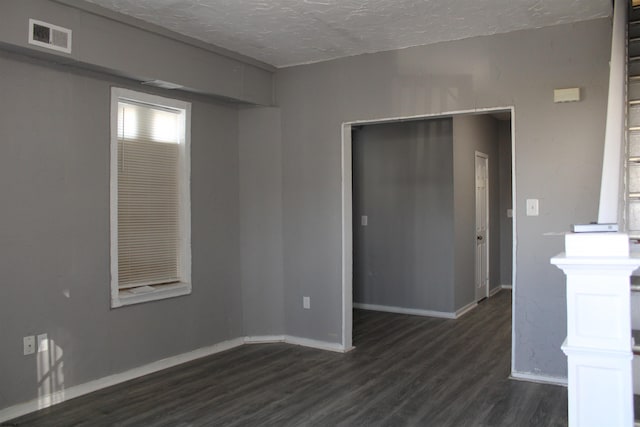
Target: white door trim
347 213
347 239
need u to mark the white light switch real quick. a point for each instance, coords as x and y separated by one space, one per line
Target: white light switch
306 302
364 220
532 207
509 213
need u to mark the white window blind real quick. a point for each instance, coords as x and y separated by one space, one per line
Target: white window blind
148 195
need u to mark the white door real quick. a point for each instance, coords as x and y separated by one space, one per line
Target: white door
482 226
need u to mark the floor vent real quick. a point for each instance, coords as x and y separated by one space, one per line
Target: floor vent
49 36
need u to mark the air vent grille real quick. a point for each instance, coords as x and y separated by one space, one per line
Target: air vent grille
49 36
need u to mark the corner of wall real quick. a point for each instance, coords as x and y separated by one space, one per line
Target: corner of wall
261 246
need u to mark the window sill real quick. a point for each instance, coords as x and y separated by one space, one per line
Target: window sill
150 293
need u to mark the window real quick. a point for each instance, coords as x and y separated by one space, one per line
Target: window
150 209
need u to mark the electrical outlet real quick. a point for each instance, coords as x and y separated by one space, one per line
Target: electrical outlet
29 345
306 302
43 343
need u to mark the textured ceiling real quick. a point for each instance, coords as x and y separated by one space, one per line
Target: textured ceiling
289 32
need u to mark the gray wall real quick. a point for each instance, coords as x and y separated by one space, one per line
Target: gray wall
126 49
55 164
261 221
403 183
506 202
558 159
54 257
473 133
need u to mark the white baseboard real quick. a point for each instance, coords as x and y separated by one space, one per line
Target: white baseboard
535 378
289 339
494 291
321 345
467 308
403 310
417 311
506 286
264 339
95 385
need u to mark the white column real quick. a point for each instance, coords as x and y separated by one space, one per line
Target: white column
598 344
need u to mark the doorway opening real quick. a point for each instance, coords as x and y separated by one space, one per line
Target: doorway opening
414 213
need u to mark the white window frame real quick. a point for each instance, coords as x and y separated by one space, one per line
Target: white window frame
142 294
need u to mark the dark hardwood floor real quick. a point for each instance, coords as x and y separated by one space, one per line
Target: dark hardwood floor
405 371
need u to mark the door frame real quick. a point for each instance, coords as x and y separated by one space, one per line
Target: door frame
479 154
347 214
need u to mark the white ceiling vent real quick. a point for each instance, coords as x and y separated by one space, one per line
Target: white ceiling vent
49 36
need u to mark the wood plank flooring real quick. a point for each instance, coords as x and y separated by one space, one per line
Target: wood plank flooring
405 371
